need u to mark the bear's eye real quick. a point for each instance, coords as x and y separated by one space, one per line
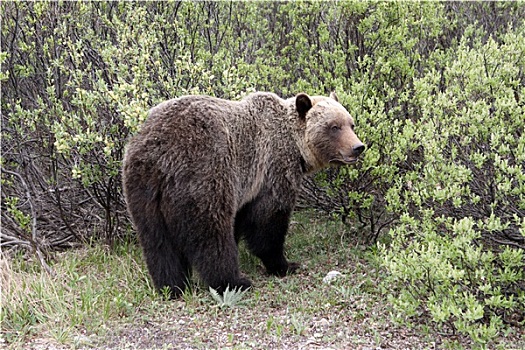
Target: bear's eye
335 128
352 126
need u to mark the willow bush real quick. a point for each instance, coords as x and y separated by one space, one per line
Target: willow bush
457 251
436 90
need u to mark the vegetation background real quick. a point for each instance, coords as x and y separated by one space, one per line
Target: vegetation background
438 92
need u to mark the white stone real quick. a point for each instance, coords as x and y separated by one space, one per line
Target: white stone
332 275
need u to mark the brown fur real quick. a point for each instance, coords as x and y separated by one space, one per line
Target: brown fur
204 172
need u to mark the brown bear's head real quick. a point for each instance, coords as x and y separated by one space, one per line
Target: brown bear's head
329 133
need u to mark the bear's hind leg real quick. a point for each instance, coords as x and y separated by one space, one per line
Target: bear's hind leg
216 260
167 265
168 269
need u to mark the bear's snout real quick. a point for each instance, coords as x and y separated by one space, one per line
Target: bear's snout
350 156
358 149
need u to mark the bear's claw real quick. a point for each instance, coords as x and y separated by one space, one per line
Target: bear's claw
289 269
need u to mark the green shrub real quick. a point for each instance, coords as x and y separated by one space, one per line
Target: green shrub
457 253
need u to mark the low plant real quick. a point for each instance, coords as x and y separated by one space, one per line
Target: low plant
230 298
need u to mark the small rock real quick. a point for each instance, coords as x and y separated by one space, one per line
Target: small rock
330 276
323 323
82 340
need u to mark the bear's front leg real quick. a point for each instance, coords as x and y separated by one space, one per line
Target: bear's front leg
264 229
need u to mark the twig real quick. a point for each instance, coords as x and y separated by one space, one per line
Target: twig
506 242
34 239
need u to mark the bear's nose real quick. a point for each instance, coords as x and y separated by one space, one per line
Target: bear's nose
358 149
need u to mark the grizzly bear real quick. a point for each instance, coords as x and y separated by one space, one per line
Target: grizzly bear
203 173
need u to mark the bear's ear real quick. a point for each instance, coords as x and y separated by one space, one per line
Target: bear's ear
333 96
303 103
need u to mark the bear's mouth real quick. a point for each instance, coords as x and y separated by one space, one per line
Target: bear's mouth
344 160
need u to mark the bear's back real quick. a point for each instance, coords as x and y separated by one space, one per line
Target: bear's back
204 135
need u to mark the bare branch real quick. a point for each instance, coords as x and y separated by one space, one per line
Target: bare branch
34 239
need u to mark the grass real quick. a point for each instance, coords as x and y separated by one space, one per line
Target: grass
92 286
103 298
